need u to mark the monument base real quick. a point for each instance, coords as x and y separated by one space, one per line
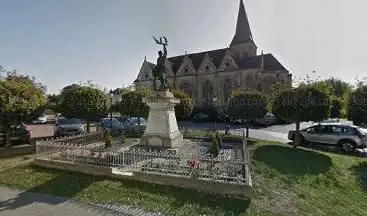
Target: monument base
162 129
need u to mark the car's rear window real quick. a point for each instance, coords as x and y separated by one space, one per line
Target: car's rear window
70 121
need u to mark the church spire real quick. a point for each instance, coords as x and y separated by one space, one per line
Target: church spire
243 32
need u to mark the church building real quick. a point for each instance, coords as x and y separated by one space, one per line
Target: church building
215 73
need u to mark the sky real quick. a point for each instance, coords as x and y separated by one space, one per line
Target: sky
61 42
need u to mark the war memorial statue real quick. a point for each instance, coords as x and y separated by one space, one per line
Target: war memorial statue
160 70
161 129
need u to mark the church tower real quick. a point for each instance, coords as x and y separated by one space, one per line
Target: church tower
242 44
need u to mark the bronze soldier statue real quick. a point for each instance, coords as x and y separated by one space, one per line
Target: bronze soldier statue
160 70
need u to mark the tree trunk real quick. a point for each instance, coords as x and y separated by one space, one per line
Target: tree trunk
247 130
88 126
297 139
7 138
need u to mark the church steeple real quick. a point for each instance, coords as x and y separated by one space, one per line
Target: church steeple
243 45
243 32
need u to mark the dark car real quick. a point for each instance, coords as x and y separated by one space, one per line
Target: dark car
200 118
19 135
135 126
222 118
71 126
111 125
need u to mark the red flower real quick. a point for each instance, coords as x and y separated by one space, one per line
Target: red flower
193 163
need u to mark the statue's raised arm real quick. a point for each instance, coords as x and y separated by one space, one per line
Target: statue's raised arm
160 71
164 47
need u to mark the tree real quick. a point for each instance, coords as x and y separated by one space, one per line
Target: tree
335 108
132 103
20 100
84 102
272 92
338 87
357 106
53 102
248 105
185 107
305 103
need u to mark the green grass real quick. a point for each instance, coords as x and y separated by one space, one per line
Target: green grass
286 181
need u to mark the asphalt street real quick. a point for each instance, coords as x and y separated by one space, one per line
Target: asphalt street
272 133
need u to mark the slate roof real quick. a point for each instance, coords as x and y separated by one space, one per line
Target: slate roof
270 63
197 58
252 62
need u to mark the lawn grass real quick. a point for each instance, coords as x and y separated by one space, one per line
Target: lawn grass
286 181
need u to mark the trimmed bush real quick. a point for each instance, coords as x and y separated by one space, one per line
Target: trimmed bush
123 138
107 140
214 148
218 136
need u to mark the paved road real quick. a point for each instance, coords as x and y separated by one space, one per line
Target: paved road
273 133
20 203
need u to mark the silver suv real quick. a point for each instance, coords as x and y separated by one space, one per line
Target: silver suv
345 136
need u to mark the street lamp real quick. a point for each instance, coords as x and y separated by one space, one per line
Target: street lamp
214 116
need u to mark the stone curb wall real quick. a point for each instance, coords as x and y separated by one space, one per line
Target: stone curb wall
209 186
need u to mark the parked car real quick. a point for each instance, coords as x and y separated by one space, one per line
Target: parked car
345 136
19 135
58 118
133 128
222 118
238 121
42 119
200 117
111 125
267 120
70 126
135 120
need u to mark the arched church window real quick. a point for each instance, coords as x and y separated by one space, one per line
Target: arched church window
207 68
238 55
227 89
186 69
207 90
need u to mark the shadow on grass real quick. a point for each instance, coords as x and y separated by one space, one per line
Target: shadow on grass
292 161
231 206
62 186
360 171
70 184
330 148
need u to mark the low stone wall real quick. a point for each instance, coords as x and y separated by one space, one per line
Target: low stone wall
230 189
17 151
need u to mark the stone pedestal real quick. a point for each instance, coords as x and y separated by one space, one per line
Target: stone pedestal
161 129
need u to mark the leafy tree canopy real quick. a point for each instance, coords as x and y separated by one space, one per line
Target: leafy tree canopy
357 105
185 107
21 99
248 105
84 102
131 102
305 103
